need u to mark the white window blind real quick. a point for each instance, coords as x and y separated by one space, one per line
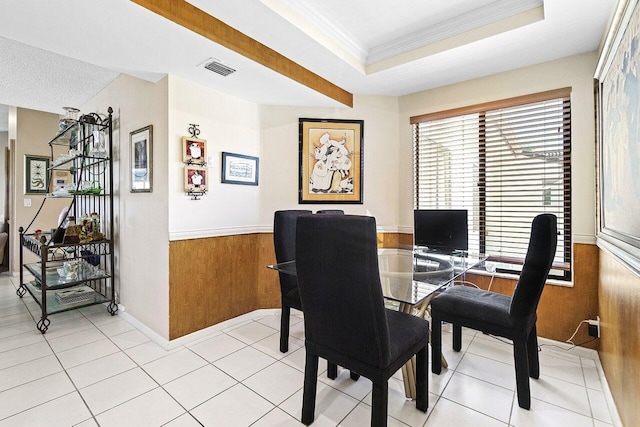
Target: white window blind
505 163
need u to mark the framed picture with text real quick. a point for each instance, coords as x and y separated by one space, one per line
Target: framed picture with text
239 169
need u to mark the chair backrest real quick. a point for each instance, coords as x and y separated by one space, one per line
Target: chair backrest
331 211
339 283
537 263
284 241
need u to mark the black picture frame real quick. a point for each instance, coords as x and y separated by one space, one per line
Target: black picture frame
331 161
240 169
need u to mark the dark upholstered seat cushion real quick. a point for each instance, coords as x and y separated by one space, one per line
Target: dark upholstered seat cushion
407 334
479 309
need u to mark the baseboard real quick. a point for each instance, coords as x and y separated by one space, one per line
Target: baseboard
194 336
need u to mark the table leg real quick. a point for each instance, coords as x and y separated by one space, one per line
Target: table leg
409 368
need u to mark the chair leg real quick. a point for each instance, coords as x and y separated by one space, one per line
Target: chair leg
520 356
436 345
310 388
284 328
379 404
532 350
422 379
332 370
354 376
457 337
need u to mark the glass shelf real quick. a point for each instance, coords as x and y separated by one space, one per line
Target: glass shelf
55 281
54 306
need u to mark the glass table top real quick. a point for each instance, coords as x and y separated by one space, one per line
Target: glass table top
410 276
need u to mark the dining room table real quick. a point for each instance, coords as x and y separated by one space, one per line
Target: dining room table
410 277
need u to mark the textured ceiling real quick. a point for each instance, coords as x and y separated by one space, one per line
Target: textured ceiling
55 56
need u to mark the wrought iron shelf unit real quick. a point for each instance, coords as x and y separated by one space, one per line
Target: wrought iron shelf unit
74 270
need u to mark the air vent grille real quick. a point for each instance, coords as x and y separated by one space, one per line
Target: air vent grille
218 67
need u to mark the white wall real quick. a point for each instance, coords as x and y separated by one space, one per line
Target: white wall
228 124
4 143
280 149
141 219
576 72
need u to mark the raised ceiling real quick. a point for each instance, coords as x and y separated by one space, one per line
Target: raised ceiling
61 53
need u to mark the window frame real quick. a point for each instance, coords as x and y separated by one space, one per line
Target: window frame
562 270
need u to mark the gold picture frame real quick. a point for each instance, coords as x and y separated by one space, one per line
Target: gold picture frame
331 161
195 179
194 150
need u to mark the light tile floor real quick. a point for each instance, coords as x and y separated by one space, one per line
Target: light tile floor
94 369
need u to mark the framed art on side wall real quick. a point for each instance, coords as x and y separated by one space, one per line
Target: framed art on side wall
240 169
36 174
618 75
331 161
141 142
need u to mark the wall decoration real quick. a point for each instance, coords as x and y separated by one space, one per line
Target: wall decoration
195 180
36 174
194 150
240 169
618 75
141 155
331 161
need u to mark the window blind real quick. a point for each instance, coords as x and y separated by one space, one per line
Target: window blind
505 163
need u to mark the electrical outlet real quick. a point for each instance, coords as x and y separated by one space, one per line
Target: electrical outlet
594 327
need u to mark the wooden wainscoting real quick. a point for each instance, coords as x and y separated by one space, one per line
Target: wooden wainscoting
619 302
215 279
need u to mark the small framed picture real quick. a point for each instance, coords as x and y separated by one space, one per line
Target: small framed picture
195 179
239 169
141 142
36 174
194 150
61 178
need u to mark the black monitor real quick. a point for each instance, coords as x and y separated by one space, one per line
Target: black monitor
441 230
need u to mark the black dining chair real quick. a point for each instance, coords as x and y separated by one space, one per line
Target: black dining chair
331 211
345 319
284 241
513 317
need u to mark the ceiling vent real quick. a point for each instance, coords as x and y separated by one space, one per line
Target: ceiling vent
216 66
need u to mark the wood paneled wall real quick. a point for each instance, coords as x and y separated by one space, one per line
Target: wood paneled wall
619 306
216 279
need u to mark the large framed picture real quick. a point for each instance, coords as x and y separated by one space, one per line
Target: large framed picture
331 161
240 169
36 174
141 146
618 75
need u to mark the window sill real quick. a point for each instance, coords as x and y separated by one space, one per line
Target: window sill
555 282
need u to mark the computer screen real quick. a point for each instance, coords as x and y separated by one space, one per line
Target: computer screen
441 230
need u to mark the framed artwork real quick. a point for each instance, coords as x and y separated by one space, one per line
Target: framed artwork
36 174
141 146
331 161
240 169
195 179
618 75
194 150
